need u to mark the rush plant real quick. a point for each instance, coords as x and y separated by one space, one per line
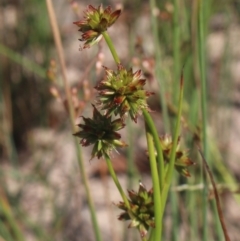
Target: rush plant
121 94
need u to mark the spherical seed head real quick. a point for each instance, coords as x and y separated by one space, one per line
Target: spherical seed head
101 132
95 22
121 92
182 161
142 210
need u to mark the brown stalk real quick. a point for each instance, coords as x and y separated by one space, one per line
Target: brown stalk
219 209
58 43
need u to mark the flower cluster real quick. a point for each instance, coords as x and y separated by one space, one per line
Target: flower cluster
182 160
122 92
142 210
95 22
101 131
119 93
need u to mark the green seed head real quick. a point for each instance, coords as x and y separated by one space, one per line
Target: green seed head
100 131
121 92
142 210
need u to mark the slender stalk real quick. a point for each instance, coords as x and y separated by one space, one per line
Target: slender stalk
176 50
154 21
193 235
174 213
176 62
152 235
170 170
156 188
202 59
219 209
132 172
115 179
111 47
160 159
59 47
58 43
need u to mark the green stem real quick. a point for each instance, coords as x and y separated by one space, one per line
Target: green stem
174 213
152 235
87 190
202 59
111 47
170 170
115 179
160 159
132 172
154 20
176 59
176 52
156 187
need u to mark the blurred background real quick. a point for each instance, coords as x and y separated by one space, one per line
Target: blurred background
41 193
